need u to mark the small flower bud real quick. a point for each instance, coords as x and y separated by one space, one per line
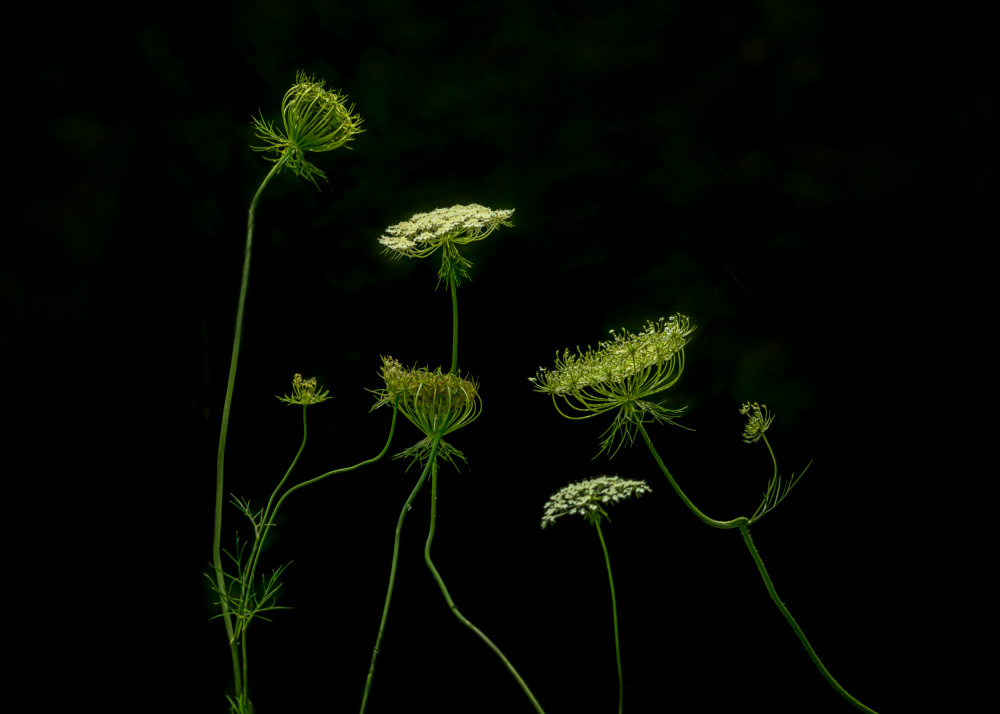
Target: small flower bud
304 392
758 422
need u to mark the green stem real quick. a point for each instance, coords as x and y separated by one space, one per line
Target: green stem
267 515
219 495
296 487
795 626
773 459
245 698
614 612
451 603
735 523
392 571
454 323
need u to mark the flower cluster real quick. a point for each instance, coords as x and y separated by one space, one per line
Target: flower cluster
315 119
426 232
444 228
436 403
622 374
586 498
305 392
758 423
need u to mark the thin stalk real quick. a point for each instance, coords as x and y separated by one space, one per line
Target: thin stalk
268 520
614 613
774 460
267 514
219 495
795 626
245 697
735 523
451 603
454 322
392 571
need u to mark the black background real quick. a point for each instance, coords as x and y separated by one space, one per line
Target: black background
809 182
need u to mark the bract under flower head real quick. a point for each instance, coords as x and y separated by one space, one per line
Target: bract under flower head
587 498
305 392
621 374
315 119
758 422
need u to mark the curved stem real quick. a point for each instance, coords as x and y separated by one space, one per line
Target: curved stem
454 322
392 571
268 514
614 612
372 460
735 523
795 626
217 532
773 459
451 603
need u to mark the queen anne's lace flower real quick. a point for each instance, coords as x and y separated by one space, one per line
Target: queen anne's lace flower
622 373
305 392
435 402
424 233
620 360
587 498
315 119
758 422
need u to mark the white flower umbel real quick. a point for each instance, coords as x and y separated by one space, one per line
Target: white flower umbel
426 232
622 373
587 498
444 228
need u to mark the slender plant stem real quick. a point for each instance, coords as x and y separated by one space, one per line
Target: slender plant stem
735 523
265 523
219 495
614 613
245 698
773 459
451 603
268 519
742 524
247 581
795 626
454 322
392 571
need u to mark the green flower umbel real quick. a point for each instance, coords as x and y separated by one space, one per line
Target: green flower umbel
437 403
305 392
315 119
621 374
758 422
444 228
